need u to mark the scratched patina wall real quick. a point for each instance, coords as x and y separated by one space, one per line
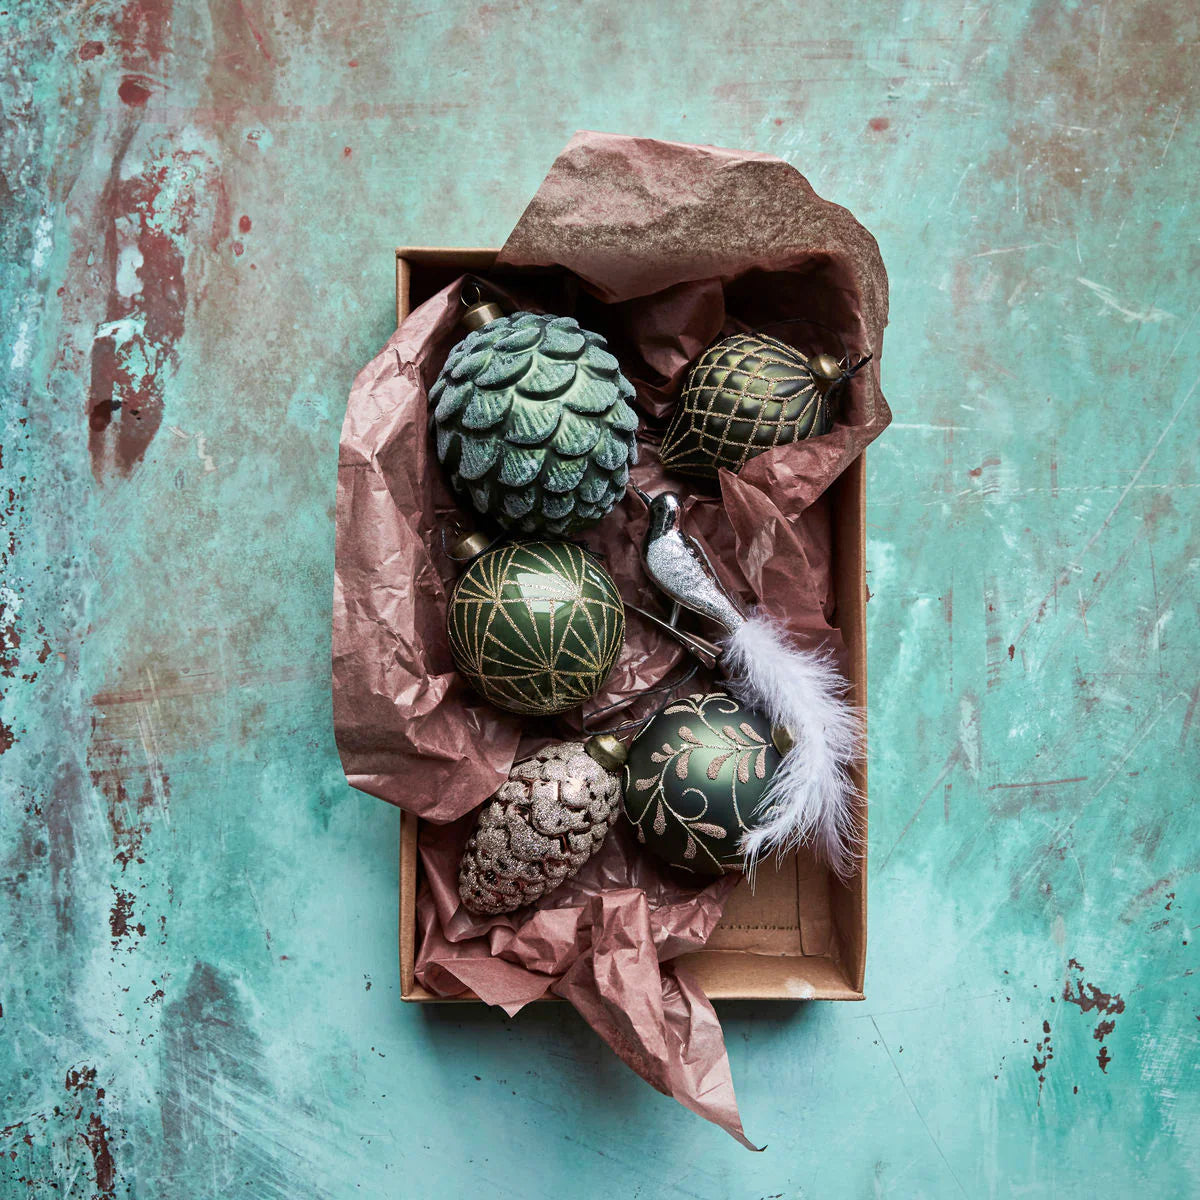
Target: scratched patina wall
199 977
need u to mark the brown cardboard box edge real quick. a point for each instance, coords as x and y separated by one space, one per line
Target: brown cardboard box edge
725 974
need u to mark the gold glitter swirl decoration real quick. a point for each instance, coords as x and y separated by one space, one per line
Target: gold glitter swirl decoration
695 777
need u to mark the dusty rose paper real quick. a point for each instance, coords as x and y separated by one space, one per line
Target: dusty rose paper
662 247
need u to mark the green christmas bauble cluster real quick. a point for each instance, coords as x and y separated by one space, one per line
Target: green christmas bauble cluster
746 394
534 425
695 776
535 627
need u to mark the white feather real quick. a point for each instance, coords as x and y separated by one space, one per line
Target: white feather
811 797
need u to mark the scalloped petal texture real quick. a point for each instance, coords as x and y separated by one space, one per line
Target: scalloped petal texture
534 424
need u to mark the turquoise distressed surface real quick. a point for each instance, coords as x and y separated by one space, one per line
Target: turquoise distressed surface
199 977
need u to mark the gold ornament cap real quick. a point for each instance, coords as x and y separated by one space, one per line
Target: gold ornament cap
825 370
608 750
468 545
480 311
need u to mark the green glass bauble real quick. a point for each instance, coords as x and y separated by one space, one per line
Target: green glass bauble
533 423
746 394
536 626
695 775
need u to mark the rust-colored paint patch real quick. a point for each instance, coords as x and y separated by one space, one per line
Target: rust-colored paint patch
1103 70
103 1167
130 808
119 918
142 28
44 1145
159 200
1042 1056
79 1078
10 646
133 91
152 220
1087 997
10 608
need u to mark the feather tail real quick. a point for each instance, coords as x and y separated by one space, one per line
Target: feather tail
811 799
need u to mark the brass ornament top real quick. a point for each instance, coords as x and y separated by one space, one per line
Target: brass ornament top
479 310
608 750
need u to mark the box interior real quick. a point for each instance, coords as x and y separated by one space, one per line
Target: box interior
801 932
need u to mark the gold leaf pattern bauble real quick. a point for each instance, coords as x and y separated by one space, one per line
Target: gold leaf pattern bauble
696 773
545 822
746 394
535 627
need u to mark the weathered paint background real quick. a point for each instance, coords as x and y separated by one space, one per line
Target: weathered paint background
199 977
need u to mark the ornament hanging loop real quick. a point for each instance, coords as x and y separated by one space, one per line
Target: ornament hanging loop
479 309
464 546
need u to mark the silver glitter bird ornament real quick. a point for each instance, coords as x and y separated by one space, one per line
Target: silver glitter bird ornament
810 799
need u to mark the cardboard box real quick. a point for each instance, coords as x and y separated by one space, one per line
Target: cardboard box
802 933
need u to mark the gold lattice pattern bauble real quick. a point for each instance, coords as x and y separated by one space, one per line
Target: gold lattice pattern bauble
746 394
535 627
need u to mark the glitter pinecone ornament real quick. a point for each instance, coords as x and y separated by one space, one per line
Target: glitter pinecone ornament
533 421
545 822
746 394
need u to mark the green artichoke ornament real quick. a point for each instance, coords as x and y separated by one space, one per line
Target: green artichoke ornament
533 423
695 776
535 627
746 394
